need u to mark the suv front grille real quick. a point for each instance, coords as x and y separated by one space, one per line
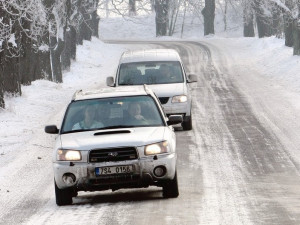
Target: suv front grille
164 100
113 154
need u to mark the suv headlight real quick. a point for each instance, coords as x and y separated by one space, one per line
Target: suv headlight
157 148
68 155
179 99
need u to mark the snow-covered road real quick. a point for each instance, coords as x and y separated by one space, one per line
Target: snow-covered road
239 165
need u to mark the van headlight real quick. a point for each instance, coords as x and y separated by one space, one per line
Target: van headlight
157 148
68 155
179 99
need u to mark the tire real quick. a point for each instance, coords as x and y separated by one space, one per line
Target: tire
63 196
170 188
188 124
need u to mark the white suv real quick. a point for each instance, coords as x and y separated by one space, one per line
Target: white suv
114 138
163 71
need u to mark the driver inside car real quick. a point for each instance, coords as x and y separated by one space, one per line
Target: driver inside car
89 121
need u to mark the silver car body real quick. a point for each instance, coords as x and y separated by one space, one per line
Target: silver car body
136 137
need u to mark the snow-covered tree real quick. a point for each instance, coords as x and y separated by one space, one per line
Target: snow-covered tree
38 36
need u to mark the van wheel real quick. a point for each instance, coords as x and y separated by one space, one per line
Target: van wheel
63 196
187 125
170 188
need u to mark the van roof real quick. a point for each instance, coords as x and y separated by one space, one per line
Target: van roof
150 55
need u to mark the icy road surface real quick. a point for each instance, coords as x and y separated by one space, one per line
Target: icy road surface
235 167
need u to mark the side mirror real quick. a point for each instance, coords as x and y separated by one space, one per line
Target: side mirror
192 78
110 81
51 129
175 119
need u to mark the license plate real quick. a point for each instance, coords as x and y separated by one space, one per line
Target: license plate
114 170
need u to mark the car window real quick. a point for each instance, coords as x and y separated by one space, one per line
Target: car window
95 114
150 73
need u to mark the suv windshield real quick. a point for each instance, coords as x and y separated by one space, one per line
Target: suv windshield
109 113
150 73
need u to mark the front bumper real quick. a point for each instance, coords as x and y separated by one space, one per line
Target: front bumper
142 176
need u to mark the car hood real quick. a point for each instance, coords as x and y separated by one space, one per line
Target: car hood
168 90
113 138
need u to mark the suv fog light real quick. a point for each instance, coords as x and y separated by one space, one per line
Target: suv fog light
69 179
159 171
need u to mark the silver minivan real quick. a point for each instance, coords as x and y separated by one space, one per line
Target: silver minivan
163 71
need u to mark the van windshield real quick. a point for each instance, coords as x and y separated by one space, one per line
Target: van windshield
139 73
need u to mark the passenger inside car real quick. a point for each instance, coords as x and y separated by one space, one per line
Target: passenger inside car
134 114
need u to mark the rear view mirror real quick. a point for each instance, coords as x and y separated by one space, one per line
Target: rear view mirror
110 81
51 129
192 78
175 119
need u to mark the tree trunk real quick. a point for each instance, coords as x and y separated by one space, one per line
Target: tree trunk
2 103
11 78
41 61
57 46
66 54
264 24
95 24
209 17
288 25
162 17
225 15
73 42
132 8
11 62
69 52
276 21
248 22
25 57
296 32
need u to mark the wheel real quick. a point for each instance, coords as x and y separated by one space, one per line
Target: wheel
187 125
170 188
63 196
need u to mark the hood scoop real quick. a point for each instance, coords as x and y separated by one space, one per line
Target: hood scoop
113 132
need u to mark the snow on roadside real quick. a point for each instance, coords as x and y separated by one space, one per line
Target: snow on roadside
267 74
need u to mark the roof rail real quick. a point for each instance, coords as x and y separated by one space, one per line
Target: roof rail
147 90
75 94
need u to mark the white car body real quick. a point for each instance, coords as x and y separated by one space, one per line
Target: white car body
81 175
167 91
